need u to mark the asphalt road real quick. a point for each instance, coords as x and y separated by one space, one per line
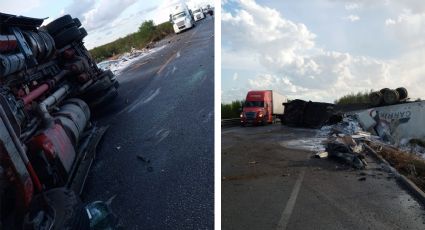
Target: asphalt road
165 114
268 184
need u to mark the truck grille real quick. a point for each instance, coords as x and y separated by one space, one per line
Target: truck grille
250 115
198 16
180 24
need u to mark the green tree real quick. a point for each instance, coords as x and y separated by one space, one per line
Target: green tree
231 110
147 30
354 98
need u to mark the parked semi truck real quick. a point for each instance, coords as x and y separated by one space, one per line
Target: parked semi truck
49 83
198 14
262 107
181 18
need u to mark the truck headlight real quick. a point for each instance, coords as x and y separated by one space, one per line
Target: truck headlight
241 115
260 115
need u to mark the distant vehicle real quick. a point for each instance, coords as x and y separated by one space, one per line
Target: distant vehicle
181 18
198 14
208 10
262 107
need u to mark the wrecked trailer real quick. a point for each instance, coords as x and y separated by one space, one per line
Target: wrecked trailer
308 114
49 84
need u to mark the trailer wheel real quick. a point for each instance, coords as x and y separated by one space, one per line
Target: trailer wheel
58 208
77 22
67 36
83 33
59 24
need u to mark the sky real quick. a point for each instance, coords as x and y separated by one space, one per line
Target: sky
320 50
104 20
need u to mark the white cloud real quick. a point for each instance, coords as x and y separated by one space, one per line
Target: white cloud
352 6
105 12
21 6
352 17
235 76
78 8
293 64
408 27
389 21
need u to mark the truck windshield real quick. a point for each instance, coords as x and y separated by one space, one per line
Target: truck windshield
254 104
179 15
197 11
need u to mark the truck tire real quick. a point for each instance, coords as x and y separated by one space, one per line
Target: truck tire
102 98
83 33
383 90
59 24
67 36
77 22
402 92
101 84
59 208
376 98
391 97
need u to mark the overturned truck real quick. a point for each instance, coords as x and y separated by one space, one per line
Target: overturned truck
48 86
308 114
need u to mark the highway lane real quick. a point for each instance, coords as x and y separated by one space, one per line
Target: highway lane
267 184
157 156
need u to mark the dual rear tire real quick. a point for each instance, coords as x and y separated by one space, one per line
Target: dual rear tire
65 30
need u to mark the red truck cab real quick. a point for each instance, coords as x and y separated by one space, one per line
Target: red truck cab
257 108
262 107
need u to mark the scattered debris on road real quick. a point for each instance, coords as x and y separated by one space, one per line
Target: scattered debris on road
101 215
140 157
321 155
362 178
393 131
127 59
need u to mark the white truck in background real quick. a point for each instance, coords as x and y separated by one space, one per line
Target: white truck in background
198 14
181 18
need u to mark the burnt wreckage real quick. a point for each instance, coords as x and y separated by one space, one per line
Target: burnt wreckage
48 84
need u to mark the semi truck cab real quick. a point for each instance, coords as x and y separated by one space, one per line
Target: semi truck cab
181 18
198 14
257 108
261 107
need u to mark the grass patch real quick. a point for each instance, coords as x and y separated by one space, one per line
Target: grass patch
408 164
148 32
231 110
354 98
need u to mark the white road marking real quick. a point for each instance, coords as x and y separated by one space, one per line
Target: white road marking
162 134
145 100
284 219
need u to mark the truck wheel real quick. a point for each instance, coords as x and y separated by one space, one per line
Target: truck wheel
83 33
58 208
67 36
59 24
103 97
77 22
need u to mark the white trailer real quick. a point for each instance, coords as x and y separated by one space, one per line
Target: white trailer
278 107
